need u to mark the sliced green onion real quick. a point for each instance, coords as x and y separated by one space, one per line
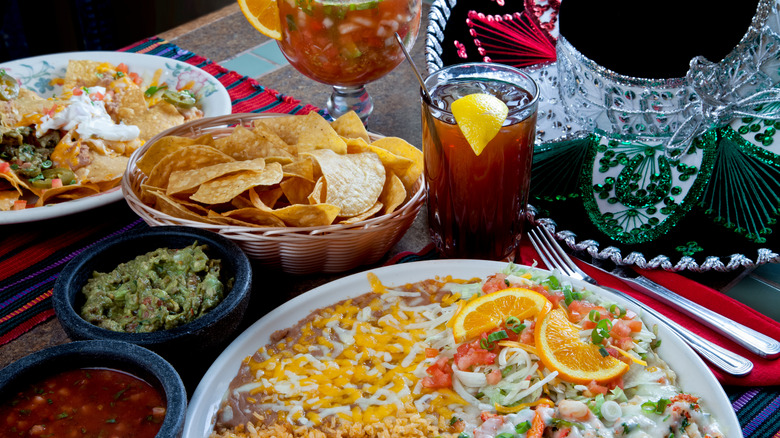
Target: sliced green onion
617 311
594 315
497 336
523 427
505 435
485 344
603 351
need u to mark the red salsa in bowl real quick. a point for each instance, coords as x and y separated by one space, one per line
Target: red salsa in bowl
93 388
87 402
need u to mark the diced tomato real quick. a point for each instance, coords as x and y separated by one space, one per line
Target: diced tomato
122 67
527 335
471 354
494 377
431 352
595 388
136 79
579 310
19 204
96 96
624 343
554 297
635 325
495 283
56 182
620 329
5 167
440 375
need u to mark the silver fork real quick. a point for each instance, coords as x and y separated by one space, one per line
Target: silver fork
554 257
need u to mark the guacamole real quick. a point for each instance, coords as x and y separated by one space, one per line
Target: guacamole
159 290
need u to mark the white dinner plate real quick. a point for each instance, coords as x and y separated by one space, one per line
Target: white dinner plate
36 74
693 375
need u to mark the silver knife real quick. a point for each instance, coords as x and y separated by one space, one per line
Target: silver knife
752 340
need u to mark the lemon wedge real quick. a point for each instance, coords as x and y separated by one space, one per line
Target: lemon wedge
479 117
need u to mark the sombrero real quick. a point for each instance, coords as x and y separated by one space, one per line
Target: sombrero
679 173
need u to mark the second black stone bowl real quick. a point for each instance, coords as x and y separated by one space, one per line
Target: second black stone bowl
121 356
177 344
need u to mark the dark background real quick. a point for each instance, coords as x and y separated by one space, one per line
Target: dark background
37 27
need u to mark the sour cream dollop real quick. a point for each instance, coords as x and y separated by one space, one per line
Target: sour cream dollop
89 118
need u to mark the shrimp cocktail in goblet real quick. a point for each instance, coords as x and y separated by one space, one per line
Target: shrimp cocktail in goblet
343 43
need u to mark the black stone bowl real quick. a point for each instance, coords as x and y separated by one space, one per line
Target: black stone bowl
121 356
180 344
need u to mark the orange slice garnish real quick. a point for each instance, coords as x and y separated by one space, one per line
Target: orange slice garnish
560 349
491 311
263 15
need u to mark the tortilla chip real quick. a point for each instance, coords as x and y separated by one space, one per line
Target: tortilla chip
80 73
184 180
151 121
356 145
105 167
287 128
243 144
297 190
398 164
363 216
255 216
318 193
354 181
186 158
159 149
265 198
402 148
302 168
394 192
302 215
227 187
175 208
67 193
317 133
7 199
349 125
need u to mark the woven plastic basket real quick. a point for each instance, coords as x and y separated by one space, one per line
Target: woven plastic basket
332 248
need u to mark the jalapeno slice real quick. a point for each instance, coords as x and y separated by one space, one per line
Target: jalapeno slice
44 181
9 88
182 99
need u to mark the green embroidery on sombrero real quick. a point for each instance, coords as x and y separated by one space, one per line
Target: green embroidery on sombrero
689 249
635 193
744 193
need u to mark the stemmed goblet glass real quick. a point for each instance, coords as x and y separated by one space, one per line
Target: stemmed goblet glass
347 44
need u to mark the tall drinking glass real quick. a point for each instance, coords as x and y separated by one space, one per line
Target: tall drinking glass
477 203
347 44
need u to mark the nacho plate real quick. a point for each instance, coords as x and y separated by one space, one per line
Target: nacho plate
36 74
693 374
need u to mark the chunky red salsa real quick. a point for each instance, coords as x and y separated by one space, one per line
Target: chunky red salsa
88 402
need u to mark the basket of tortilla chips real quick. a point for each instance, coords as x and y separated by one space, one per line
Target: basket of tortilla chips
295 192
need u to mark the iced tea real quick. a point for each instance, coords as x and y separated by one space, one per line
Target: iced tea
477 204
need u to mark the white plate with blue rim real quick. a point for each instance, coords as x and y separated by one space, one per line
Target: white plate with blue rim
39 74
